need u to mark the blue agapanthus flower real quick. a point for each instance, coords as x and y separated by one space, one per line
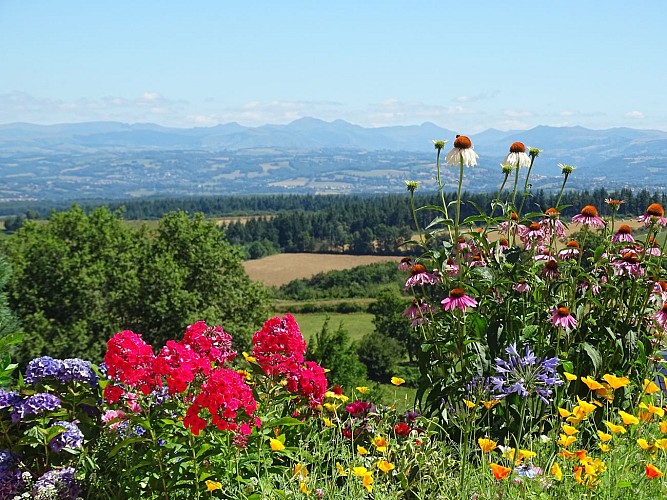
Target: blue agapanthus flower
525 375
71 438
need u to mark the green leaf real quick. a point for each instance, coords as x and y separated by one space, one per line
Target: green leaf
124 444
593 354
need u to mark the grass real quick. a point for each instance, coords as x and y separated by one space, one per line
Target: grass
356 324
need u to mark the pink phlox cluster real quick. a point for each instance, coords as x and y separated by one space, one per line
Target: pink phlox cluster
130 360
309 382
279 347
179 364
211 342
229 401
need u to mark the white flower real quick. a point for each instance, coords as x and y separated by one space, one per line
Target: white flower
462 152
517 156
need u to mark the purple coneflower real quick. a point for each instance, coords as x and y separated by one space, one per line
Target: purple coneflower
660 316
502 244
654 214
521 286
652 248
509 227
624 234
405 264
451 268
458 299
552 225
542 254
628 265
531 233
477 260
462 153
550 269
589 216
561 317
421 277
517 156
570 251
417 312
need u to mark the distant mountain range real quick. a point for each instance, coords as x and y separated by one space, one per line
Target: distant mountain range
120 160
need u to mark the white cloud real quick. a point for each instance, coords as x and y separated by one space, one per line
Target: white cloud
635 115
482 96
516 113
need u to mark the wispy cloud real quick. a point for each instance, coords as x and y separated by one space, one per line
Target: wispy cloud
482 96
635 115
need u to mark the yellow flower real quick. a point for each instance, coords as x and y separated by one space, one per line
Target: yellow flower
487 445
301 472
361 450
663 426
661 443
565 440
508 453
564 413
569 430
525 454
330 407
397 381
652 409
276 445
340 469
327 422
586 406
490 404
628 419
591 383
469 404
613 428
569 376
616 382
380 443
249 358
650 387
213 485
360 471
556 472
385 466
362 389
604 447
367 481
304 488
604 437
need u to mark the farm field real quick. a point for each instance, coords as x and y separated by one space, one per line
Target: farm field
279 269
357 324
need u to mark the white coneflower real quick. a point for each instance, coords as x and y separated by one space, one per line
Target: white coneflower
462 152
517 156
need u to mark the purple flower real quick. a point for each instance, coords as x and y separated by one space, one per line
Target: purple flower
43 367
38 403
79 370
71 438
9 399
57 483
525 375
458 300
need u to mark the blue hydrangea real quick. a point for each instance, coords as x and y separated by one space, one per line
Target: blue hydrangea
40 368
57 484
79 370
71 438
11 481
9 399
39 403
525 375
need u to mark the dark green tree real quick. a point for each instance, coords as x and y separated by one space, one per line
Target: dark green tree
333 350
80 278
389 321
381 356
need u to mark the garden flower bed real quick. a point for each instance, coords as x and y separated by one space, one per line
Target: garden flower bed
540 378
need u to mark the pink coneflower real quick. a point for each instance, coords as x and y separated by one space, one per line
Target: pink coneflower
561 317
628 265
458 299
660 288
462 153
652 247
543 254
417 312
517 156
451 268
570 251
550 269
589 216
531 233
420 276
654 214
502 244
552 225
477 261
521 286
624 233
463 246
614 204
405 264
660 316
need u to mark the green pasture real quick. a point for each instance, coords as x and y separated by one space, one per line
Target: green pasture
357 324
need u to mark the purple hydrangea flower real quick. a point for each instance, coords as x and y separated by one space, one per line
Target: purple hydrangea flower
525 375
38 403
9 399
79 370
57 483
72 437
43 367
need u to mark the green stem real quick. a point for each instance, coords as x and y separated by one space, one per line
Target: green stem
525 185
458 213
442 193
560 194
495 202
516 183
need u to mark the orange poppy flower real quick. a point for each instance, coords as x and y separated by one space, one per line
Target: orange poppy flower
499 471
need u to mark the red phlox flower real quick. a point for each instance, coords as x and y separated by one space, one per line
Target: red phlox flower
179 365
402 429
310 382
130 360
279 347
112 393
211 342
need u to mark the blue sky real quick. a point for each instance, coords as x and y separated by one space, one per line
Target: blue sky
466 66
